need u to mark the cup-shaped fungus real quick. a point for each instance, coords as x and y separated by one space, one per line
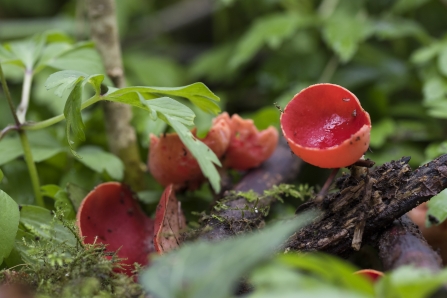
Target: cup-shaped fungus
248 147
170 162
110 214
326 126
371 274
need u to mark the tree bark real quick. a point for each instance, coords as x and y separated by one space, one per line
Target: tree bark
121 135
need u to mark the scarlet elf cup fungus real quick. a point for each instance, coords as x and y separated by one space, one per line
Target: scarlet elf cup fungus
110 214
326 126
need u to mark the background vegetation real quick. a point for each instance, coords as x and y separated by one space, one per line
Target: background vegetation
252 53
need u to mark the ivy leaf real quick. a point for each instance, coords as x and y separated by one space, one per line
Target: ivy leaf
201 268
9 222
197 93
204 155
101 161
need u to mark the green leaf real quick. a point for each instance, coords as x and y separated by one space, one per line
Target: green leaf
61 200
10 149
201 268
425 54
167 107
197 93
43 146
101 161
72 113
9 222
402 6
63 80
330 269
343 33
40 222
411 282
1 175
76 194
271 30
394 27
382 130
437 208
204 155
27 51
442 60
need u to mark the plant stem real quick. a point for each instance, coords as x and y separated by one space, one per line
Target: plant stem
24 139
31 168
329 70
8 96
26 89
58 118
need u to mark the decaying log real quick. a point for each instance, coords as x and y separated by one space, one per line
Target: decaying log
379 198
403 244
240 215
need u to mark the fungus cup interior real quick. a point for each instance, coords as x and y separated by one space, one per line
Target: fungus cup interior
110 214
325 125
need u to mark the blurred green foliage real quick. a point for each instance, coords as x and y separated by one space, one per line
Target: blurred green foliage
252 53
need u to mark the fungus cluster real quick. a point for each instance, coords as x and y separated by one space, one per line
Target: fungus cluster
326 126
235 141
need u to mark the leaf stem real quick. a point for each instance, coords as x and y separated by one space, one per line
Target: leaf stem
31 168
58 118
26 89
24 139
8 96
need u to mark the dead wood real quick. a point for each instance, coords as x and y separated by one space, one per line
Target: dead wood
240 215
387 193
403 244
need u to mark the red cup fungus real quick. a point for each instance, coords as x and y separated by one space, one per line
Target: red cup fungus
171 162
110 214
169 222
371 274
326 126
248 147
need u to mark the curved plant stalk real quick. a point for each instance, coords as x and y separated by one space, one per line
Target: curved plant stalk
32 170
121 135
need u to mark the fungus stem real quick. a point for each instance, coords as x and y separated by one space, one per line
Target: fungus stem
326 185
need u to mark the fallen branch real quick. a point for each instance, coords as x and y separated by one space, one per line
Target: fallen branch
403 244
384 195
241 216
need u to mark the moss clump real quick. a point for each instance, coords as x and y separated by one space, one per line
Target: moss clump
54 269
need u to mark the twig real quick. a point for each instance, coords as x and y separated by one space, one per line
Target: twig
7 129
121 135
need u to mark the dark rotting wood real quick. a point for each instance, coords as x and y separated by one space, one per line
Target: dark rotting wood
281 167
395 191
403 244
